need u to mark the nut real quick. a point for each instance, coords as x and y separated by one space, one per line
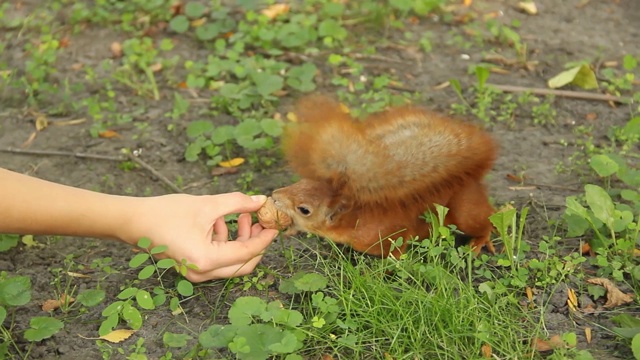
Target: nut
271 218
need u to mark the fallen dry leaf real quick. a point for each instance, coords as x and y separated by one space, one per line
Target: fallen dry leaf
467 3
546 345
514 178
274 10
77 66
587 334
177 8
51 305
198 22
108 134
41 122
327 357
116 49
529 293
117 336
235 162
572 300
591 116
77 275
486 351
64 42
155 67
615 297
217 171
586 249
528 7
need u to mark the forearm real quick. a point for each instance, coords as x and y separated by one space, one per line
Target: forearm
33 206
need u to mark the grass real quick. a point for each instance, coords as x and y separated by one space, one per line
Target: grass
437 303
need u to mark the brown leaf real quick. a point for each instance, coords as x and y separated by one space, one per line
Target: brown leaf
586 249
327 357
51 305
176 8
274 10
615 297
64 42
155 67
77 66
116 49
485 349
591 116
217 171
587 334
514 178
546 345
108 134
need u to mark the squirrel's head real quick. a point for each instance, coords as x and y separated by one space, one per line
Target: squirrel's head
313 206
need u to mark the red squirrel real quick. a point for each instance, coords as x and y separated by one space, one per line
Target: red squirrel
367 182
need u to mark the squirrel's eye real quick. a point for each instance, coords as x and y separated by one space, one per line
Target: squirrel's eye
304 210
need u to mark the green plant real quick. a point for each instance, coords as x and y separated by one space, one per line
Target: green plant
132 299
139 65
16 291
250 134
257 330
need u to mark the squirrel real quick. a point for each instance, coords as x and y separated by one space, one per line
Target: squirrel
365 183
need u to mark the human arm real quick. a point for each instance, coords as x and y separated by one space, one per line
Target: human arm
191 226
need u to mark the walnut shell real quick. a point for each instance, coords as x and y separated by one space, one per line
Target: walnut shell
272 218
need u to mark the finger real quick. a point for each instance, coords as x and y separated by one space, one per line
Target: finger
237 202
233 270
238 252
244 227
220 229
236 270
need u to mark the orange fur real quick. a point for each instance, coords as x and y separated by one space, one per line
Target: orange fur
367 181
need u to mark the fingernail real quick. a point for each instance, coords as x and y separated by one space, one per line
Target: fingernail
259 198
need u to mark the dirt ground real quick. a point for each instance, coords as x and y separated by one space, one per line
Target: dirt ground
562 32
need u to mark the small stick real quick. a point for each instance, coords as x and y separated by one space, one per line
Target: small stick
155 172
131 157
560 187
62 153
566 93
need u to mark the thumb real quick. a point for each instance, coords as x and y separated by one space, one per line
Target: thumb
237 202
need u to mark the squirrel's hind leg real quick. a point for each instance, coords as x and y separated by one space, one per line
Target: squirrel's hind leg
469 210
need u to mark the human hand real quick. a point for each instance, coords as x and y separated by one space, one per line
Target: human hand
193 228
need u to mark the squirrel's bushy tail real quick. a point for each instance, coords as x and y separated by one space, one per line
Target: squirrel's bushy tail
403 154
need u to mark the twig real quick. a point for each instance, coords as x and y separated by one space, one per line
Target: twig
62 153
155 172
566 93
131 157
559 187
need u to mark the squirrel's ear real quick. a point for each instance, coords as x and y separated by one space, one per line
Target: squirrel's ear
338 207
